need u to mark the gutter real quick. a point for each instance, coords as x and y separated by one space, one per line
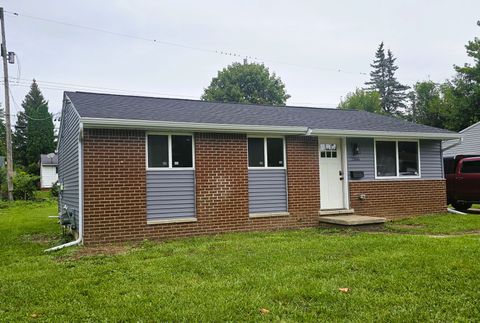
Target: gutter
385 134
79 240
107 123
453 145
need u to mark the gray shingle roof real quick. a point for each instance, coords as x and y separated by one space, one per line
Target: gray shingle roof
46 160
96 105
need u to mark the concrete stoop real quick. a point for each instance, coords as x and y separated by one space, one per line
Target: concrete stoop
351 220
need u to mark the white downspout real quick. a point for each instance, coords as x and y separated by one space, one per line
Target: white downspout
80 197
460 140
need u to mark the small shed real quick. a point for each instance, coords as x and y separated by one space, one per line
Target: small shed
48 170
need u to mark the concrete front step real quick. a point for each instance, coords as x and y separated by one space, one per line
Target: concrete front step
350 220
336 212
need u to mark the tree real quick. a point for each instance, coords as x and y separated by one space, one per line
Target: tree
383 81
362 100
464 90
34 130
246 83
428 106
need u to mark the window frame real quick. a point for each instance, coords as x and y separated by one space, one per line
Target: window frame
397 160
265 153
170 156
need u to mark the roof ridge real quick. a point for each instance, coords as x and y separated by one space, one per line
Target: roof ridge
202 101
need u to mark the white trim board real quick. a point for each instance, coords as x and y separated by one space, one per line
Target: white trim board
240 128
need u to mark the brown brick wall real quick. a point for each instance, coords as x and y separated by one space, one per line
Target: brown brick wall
114 184
115 187
397 199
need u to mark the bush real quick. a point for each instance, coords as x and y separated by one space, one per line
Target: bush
24 186
55 189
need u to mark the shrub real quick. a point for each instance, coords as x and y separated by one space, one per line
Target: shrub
24 186
55 189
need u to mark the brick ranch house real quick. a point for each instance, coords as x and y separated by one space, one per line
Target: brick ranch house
133 168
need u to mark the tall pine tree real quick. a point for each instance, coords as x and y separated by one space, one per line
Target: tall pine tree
383 80
34 130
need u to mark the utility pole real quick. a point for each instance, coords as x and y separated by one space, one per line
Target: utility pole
8 128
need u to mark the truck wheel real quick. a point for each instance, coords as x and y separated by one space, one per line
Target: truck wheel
461 206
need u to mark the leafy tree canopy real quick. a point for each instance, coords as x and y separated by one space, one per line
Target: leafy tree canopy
246 83
362 100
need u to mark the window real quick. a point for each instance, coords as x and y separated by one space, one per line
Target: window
182 151
328 150
397 158
170 151
471 167
408 158
266 152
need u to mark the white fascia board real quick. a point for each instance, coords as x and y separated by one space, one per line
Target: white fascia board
385 134
187 126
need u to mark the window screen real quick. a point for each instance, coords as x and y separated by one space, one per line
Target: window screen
256 156
182 151
408 158
275 152
386 158
470 167
157 151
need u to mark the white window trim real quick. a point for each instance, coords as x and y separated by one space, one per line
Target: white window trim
398 176
265 154
170 166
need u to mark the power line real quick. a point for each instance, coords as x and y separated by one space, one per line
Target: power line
64 86
184 46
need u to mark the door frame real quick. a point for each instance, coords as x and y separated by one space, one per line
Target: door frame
346 190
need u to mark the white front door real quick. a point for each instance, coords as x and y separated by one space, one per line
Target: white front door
331 173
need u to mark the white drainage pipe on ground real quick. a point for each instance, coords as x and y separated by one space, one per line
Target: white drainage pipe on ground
449 210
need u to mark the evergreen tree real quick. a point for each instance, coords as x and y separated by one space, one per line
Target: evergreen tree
383 80
34 130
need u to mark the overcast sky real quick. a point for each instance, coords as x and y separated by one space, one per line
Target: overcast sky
304 42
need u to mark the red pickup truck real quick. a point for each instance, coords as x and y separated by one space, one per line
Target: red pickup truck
462 173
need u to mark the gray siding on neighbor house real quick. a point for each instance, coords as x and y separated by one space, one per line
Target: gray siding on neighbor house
364 161
430 158
431 161
267 190
170 194
68 158
470 144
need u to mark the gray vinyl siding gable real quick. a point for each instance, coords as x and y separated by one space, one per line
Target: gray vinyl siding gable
267 190
68 158
470 144
430 158
170 194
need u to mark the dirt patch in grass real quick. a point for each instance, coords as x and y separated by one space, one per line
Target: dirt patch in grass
409 226
104 250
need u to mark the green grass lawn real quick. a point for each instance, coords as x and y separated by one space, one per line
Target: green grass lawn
295 275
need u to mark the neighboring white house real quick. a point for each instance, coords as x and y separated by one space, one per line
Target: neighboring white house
48 170
469 146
